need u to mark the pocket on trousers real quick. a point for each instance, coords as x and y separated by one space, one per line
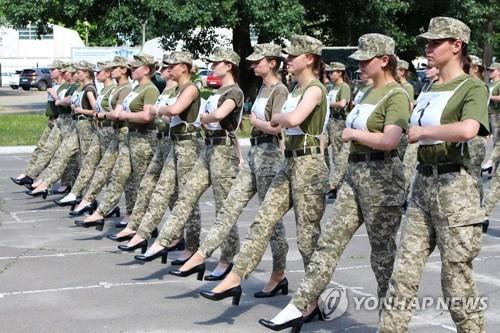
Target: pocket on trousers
463 243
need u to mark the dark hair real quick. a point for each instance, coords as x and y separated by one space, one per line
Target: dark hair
129 72
465 59
235 71
152 69
345 77
319 66
392 66
278 60
406 74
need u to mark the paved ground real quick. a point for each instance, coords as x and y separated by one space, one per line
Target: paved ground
58 278
17 101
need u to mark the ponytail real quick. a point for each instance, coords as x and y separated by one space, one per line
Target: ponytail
465 59
392 67
235 71
319 66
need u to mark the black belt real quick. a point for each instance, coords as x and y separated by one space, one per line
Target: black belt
302 152
372 156
65 115
257 140
429 170
162 134
184 137
140 130
218 141
104 123
337 116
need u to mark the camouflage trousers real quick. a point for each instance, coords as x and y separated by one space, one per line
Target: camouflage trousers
444 211
340 150
216 166
299 183
131 164
372 193
477 152
494 119
45 149
103 171
96 150
255 177
409 164
493 195
174 174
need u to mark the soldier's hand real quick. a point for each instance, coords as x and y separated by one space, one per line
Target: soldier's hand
252 117
415 134
348 134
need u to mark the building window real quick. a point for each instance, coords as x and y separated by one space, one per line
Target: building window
30 33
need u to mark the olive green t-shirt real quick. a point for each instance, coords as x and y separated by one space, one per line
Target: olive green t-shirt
70 89
190 114
116 98
277 94
392 108
468 102
233 92
494 107
313 124
104 98
409 89
147 94
160 124
343 93
51 108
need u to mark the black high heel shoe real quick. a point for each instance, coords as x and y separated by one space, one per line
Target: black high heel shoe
121 238
488 170
98 224
65 191
313 314
234 292
200 269
163 253
71 203
114 211
89 208
485 225
22 181
295 324
143 245
29 187
281 286
219 277
43 193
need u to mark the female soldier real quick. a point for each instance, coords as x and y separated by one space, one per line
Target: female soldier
302 178
217 165
373 189
100 141
264 158
444 202
494 104
134 158
493 195
404 74
366 84
80 134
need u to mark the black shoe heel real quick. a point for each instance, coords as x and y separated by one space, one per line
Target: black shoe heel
43 193
294 324
142 245
234 292
236 300
89 208
99 227
98 224
281 286
485 225
162 253
200 269
219 277
115 211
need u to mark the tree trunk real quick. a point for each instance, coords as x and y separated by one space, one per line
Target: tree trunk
488 53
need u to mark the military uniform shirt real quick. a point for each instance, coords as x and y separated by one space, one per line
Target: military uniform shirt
494 107
409 89
279 94
343 93
233 92
147 94
71 87
190 114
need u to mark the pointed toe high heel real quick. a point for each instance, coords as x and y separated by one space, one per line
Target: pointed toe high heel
115 211
43 193
234 292
163 253
23 181
143 245
281 286
89 208
98 224
71 203
219 277
295 324
199 269
120 239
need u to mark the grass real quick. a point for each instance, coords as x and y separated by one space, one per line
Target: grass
21 129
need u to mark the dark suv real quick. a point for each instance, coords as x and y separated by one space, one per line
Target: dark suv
35 77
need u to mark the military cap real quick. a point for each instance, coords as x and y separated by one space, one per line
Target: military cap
335 66
447 27
178 57
221 54
70 67
475 60
402 64
372 45
84 65
261 51
302 44
494 66
142 60
103 66
120 62
58 64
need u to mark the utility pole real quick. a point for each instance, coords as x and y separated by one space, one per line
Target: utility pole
143 35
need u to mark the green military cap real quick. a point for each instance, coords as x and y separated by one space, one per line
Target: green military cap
372 45
103 66
302 44
402 64
142 60
69 67
260 51
494 66
58 64
335 66
84 65
447 27
475 60
222 54
120 62
178 57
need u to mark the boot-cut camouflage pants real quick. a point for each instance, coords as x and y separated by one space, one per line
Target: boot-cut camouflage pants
340 150
216 166
89 164
45 149
174 175
299 183
493 195
410 164
372 193
130 166
254 177
444 211
477 152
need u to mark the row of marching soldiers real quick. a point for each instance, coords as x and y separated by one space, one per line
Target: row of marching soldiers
164 150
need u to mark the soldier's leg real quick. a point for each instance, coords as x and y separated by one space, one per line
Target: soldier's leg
409 164
477 152
46 153
68 148
42 141
88 166
493 195
341 164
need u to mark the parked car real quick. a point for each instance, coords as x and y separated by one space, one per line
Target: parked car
14 80
35 77
213 81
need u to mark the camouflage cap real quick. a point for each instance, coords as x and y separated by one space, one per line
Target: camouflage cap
494 66
84 65
69 67
372 45
120 62
447 27
142 60
103 66
221 54
58 64
261 51
178 57
475 60
335 66
402 64
303 44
